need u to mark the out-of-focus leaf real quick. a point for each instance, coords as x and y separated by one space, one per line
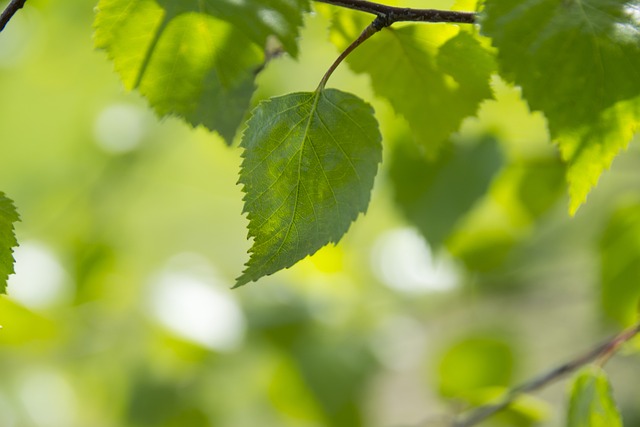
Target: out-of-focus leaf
8 217
620 269
197 60
474 364
336 369
290 395
592 403
308 170
433 75
525 411
578 62
522 193
154 402
20 326
434 195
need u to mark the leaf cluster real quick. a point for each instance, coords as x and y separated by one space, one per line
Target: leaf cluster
310 158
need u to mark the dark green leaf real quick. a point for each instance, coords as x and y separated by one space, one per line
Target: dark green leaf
620 269
197 60
579 63
308 169
433 75
592 403
434 195
8 216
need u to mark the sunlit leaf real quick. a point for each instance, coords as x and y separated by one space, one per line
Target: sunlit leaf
8 216
423 188
579 63
308 169
433 75
197 60
21 326
475 363
620 269
592 403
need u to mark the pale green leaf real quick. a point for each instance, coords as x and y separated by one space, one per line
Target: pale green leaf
578 61
620 265
309 164
592 403
475 363
433 75
195 59
8 216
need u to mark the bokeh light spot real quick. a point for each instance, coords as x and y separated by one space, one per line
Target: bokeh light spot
403 261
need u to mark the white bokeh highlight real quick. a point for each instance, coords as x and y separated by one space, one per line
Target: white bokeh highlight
403 261
40 281
198 308
48 399
120 128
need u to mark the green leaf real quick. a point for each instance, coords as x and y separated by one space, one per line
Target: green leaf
309 164
433 75
197 60
620 265
579 63
592 403
424 189
475 363
8 216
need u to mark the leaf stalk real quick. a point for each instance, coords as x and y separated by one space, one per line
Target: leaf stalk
377 24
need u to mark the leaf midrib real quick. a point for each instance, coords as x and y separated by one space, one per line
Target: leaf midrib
316 99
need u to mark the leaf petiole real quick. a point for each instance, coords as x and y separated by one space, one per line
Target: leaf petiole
379 23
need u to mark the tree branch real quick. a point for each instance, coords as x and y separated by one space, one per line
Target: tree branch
9 11
599 354
393 14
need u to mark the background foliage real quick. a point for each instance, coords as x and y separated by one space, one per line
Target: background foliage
120 313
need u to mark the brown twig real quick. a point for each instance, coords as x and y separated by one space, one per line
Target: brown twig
378 24
399 14
9 11
601 354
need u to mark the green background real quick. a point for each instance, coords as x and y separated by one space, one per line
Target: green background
121 312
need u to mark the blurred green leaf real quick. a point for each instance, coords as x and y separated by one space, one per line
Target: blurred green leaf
336 367
525 411
308 169
197 60
258 19
433 75
20 326
520 196
620 265
154 402
592 403
423 189
474 364
577 61
536 185
8 216
483 247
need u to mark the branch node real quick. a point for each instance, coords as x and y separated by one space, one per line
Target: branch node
382 21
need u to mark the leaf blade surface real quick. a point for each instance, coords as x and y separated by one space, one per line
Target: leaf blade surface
309 164
8 217
195 59
578 61
432 75
592 403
